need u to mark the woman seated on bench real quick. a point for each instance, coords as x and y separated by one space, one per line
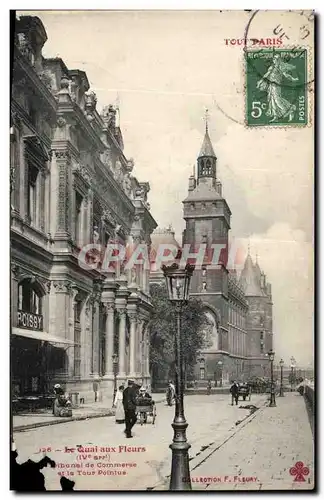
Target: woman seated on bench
62 404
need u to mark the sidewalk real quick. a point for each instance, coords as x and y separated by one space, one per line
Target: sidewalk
23 422
260 455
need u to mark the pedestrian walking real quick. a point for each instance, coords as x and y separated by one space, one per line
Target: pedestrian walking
209 386
118 404
234 390
170 393
129 404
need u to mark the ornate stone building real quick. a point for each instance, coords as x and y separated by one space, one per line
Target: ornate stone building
71 185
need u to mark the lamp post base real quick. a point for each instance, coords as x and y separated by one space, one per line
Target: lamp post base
180 475
272 401
281 393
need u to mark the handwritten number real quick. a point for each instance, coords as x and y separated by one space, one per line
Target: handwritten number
305 29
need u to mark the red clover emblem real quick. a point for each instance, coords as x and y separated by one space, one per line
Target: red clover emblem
299 470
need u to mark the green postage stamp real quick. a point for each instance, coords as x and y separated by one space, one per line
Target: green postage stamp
276 87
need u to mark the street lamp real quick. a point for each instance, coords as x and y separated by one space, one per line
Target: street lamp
281 363
178 281
271 355
292 373
115 368
220 364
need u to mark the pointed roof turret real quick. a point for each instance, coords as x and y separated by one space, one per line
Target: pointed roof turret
249 279
207 147
257 268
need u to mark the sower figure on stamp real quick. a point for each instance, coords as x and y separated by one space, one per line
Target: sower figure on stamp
278 106
129 403
234 390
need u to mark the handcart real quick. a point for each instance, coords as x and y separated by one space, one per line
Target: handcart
144 410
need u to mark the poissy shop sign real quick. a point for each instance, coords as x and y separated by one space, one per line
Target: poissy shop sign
29 320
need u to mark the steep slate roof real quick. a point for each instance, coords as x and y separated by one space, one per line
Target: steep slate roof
162 237
257 270
207 147
249 279
203 192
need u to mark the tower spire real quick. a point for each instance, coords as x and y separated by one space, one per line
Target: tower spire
207 147
206 119
249 247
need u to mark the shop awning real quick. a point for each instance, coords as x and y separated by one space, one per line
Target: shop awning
44 336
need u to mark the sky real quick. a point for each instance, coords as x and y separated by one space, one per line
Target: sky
164 68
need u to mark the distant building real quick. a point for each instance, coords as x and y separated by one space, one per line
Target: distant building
71 185
161 238
258 294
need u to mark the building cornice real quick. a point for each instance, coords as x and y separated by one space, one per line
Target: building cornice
34 78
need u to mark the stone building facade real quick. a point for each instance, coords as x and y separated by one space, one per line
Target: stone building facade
71 186
258 294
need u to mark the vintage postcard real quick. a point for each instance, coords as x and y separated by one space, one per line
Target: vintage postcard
161 211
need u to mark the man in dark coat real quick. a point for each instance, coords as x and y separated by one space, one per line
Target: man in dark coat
129 403
234 390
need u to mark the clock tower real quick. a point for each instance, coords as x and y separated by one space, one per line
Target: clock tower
207 217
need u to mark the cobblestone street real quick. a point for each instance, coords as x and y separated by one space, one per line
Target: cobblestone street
266 448
213 424
210 418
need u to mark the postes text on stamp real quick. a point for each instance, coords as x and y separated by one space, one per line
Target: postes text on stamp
276 87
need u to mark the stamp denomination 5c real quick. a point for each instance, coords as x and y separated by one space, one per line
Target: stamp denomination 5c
276 87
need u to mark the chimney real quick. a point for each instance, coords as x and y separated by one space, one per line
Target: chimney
192 183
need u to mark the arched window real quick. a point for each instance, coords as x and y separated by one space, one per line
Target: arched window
213 332
208 167
29 296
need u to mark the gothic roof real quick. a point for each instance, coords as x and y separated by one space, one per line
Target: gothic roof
249 279
258 271
203 192
162 237
207 147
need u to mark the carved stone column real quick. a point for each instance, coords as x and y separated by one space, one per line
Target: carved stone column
109 345
122 343
85 216
59 315
42 207
140 354
132 343
95 336
62 159
14 293
70 352
146 352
